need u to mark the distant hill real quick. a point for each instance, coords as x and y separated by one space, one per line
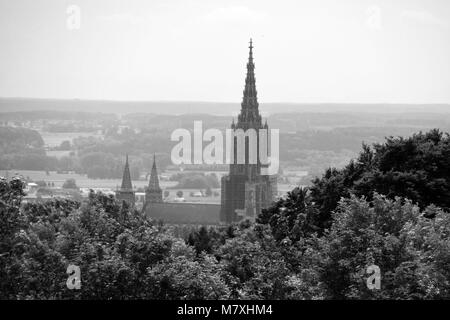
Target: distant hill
216 108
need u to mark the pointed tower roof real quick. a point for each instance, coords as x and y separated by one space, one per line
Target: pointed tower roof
249 106
153 183
126 179
250 83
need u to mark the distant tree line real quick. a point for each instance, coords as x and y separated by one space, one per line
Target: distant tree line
23 149
195 180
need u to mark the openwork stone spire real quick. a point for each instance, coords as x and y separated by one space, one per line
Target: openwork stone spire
249 116
126 179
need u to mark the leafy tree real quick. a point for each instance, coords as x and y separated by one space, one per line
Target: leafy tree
409 248
293 217
313 244
184 278
70 184
417 168
200 240
255 269
65 145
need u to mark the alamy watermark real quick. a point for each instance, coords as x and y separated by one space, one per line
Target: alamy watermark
374 280
74 279
73 21
236 146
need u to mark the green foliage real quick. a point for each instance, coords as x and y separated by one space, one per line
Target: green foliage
183 278
19 140
291 218
201 240
408 247
70 184
313 244
417 168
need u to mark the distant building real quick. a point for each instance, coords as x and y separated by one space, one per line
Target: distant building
181 213
126 192
245 192
185 213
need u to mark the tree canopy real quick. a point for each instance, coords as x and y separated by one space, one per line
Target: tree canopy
312 244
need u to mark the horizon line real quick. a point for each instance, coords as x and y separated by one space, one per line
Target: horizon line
218 102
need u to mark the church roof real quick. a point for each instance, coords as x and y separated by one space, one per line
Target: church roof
185 213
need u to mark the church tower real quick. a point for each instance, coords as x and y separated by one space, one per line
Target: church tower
245 192
126 192
153 193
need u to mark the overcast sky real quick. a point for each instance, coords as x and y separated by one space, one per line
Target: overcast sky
305 51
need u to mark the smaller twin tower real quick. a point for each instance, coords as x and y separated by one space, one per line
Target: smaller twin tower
126 192
153 192
244 191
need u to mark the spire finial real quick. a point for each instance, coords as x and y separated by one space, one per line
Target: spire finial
249 107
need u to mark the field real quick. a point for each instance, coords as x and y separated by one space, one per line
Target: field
58 154
82 180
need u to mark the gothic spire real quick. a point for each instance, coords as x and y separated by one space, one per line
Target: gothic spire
126 179
250 85
153 184
249 115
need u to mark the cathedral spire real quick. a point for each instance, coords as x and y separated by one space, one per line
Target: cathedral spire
126 179
249 116
154 181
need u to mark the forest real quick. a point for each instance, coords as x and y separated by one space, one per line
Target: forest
388 207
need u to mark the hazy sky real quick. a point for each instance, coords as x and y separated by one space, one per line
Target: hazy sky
305 51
